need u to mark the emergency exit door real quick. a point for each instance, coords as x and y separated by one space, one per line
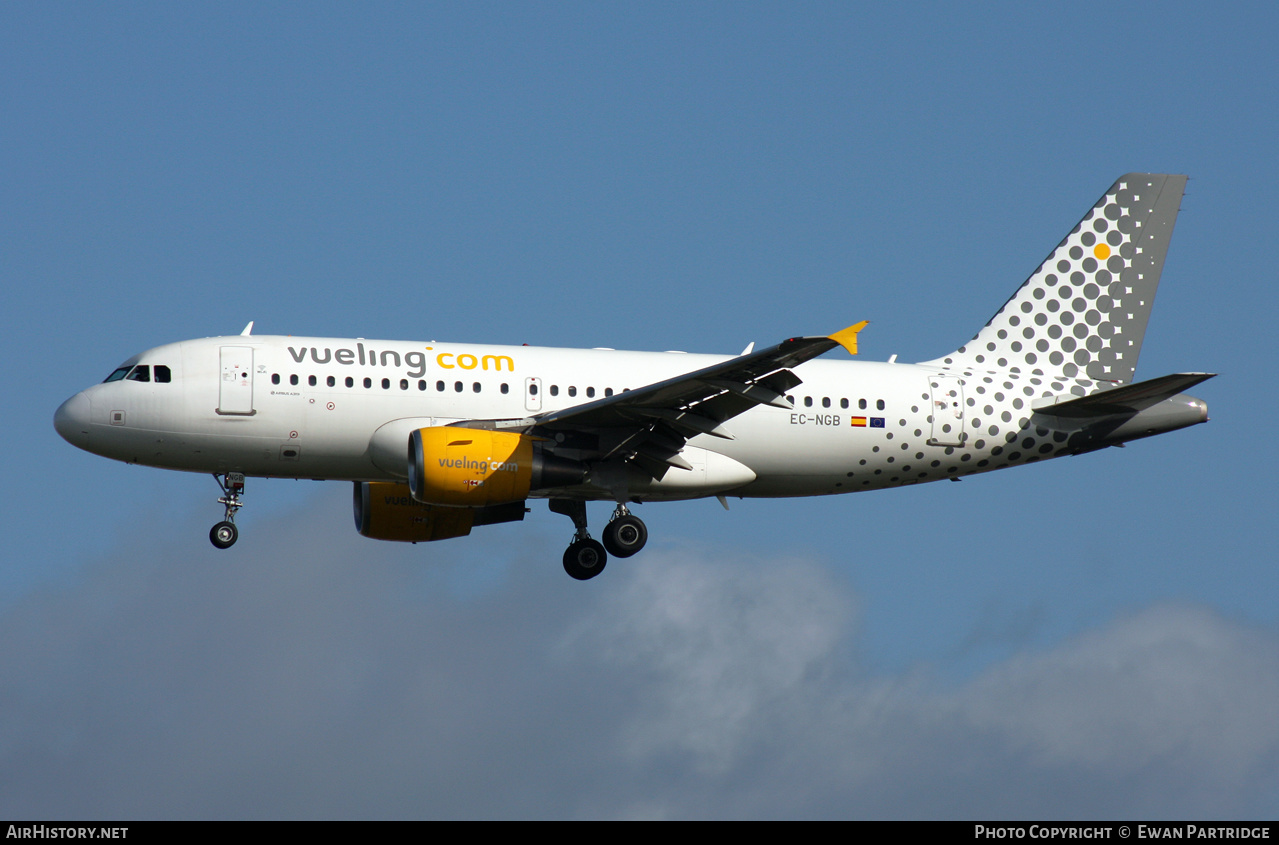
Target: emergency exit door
947 394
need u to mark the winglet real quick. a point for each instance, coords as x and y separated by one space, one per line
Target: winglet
847 338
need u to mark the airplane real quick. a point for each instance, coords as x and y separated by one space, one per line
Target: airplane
439 438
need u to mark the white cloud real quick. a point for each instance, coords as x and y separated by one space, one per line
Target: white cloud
719 650
312 673
1172 682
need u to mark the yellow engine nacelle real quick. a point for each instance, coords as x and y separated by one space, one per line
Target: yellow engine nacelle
469 467
388 511
472 467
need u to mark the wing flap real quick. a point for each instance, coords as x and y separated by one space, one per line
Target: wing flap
686 422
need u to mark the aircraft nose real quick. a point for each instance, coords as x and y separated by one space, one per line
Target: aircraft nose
72 420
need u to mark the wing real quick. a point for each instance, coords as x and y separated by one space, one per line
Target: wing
648 426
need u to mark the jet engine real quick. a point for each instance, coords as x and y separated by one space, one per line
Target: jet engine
388 511
470 467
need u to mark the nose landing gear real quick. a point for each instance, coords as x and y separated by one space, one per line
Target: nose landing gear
224 534
585 558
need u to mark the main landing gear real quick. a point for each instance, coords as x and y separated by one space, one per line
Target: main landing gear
625 533
224 534
585 558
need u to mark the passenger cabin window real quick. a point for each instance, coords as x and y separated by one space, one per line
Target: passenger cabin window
275 378
331 381
293 379
142 372
310 380
350 382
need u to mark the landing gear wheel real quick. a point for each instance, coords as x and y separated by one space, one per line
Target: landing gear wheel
625 536
223 535
585 559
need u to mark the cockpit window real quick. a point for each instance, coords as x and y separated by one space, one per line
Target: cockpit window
142 372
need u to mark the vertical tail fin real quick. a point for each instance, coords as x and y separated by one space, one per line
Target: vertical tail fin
1083 313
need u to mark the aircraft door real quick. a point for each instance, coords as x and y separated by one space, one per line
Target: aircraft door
947 410
235 387
532 394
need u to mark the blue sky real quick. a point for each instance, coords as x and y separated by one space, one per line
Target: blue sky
1093 636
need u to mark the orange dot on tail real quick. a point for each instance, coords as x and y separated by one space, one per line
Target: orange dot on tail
1101 251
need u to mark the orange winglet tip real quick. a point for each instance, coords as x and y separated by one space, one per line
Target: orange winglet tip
847 338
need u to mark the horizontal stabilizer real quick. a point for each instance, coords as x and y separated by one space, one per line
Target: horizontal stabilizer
1128 399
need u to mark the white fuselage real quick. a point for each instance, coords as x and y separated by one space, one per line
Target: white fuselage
298 407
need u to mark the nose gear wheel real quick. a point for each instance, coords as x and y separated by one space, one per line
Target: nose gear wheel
223 535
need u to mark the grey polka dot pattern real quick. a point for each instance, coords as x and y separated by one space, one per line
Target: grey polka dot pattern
1073 328
1082 314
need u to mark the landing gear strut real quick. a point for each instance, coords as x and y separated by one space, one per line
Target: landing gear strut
224 534
585 558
